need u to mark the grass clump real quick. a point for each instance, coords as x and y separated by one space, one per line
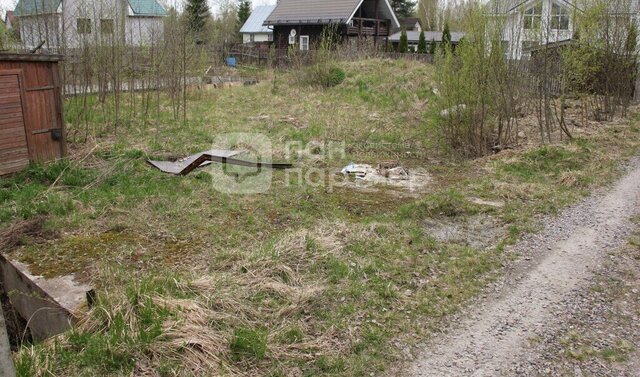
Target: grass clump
249 343
326 75
449 203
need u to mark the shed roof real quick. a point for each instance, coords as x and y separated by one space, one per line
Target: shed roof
30 57
254 23
295 12
414 36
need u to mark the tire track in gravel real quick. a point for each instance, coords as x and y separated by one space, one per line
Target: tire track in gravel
492 336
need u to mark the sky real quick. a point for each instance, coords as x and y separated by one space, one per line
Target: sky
10 4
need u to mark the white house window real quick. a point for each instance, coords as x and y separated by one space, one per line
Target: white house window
106 26
83 25
559 17
304 42
532 17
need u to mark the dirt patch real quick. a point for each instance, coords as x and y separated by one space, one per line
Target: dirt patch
366 177
477 231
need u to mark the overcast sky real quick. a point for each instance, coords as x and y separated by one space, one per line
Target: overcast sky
10 4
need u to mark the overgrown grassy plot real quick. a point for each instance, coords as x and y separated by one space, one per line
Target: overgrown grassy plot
300 280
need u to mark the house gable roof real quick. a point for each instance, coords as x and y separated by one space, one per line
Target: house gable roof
409 21
295 12
147 8
34 7
254 23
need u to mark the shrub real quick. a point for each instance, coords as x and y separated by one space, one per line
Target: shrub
403 46
326 75
422 44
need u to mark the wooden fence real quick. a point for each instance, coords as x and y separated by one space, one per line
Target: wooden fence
247 55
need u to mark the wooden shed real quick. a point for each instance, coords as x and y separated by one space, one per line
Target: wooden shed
31 118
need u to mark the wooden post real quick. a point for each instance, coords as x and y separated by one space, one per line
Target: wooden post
375 39
360 22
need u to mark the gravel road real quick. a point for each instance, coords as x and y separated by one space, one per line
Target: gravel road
493 337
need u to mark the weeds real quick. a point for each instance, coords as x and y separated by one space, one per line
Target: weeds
297 280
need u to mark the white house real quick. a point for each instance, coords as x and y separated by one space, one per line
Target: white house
9 19
253 31
73 23
531 23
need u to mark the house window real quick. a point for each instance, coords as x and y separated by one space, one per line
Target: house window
532 17
559 17
270 37
252 38
83 25
106 26
304 42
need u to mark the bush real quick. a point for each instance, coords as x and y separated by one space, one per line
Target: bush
403 46
336 76
326 75
422 44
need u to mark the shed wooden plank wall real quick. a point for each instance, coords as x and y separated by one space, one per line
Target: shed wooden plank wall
42 105
14 153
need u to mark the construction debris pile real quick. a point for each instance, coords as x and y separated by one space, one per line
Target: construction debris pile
387 173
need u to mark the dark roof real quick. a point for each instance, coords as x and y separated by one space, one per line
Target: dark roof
414 36
409 21
296 12
30 57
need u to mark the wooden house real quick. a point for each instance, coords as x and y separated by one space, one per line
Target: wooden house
301 23
31 119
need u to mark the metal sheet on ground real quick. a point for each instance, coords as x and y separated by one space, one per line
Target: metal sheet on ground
187 165
176 167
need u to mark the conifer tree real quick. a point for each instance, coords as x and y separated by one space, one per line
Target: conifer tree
403 8
403 46
197 13
422 44
244 11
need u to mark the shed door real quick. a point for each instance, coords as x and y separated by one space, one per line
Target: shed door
44 114
14 153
